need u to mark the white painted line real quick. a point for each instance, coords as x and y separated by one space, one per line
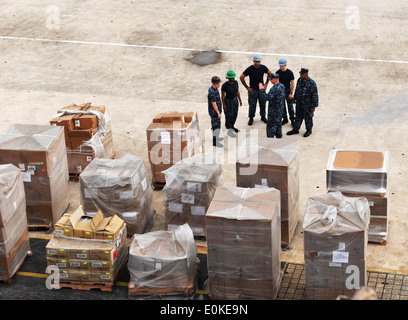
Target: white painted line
197 49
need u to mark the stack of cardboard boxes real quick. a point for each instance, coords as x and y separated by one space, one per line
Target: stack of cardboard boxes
119 187
88 248
163 263
172 136
362 173
88 134
14 239
263 163
189 189
335 231
39 152
244 243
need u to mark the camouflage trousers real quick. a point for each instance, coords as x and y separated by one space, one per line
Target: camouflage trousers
303 113
253 98
290 111
215 124
274 123
231 112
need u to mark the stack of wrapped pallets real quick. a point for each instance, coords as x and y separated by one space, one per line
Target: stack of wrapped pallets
361 173
39 152
88 134
335 230
171 136
119 187
190 187
14 239
244 243
263 163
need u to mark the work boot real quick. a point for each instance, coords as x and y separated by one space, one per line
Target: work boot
231 133
216 143
264 119
285 121
293 131
307 133
235 129
251 121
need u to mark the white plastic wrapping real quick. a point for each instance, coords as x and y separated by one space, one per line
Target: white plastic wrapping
335 229
190 186
164 260
119 186
244 243
358 171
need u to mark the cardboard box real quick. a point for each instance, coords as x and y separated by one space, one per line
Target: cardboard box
109 228
85 121
358 171
335 230
39 152
85 225
272 163
9 264
244 243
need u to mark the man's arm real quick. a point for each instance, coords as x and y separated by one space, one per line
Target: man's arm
242 78
214 104
315 97
224 106
292 89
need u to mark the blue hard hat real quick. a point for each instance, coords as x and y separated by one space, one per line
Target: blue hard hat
257 57
282 61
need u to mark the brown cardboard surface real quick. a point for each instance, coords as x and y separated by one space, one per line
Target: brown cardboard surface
365 160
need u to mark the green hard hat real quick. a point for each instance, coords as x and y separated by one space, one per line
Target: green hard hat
231 74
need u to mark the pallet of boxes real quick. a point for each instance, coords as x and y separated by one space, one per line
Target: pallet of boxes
335 230
244 243
190 187
163 265
90 252
88 135
263 163
39 152
14 237
171 136
363 173
119 187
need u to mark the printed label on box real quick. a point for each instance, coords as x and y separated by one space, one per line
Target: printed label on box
264 182
59 231
74 264
88 158
340 257
193 186
81 255
77 123
342 246
198 210
334 264
175 207
52 251
165 137
158 266
187 198
26 176
126 194
371 203
21 166
260 186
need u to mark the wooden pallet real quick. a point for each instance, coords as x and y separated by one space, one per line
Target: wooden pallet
143 291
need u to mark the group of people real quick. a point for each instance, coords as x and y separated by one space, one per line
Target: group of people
280 98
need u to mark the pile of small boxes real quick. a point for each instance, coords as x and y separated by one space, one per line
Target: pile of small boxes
88 134
88 248
171 136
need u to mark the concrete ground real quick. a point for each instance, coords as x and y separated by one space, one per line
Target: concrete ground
134 57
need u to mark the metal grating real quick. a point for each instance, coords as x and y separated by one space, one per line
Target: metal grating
388 286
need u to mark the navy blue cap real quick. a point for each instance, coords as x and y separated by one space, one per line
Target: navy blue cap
303 71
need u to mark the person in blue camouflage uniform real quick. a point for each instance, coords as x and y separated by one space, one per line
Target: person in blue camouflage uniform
231 100
215 110
276 105
307 100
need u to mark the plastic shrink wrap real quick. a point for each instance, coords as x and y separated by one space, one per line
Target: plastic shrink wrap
244 243
335 229
265 162
363 173
190 187
14 238
39 152
119 186
172 136
163 264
